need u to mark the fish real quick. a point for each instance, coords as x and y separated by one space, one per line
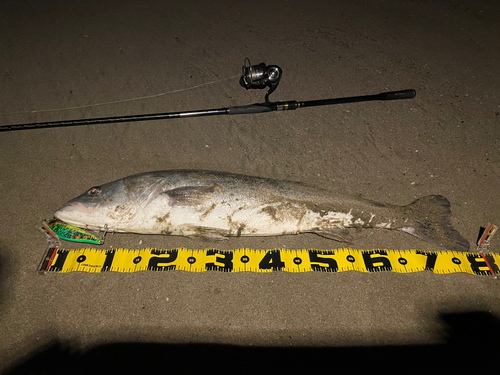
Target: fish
217 205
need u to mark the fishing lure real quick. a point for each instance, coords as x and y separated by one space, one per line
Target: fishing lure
70 233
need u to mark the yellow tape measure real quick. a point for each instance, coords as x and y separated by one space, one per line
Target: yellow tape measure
251 260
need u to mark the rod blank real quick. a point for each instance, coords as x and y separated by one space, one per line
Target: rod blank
240 110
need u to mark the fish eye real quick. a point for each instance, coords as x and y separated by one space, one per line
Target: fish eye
94 191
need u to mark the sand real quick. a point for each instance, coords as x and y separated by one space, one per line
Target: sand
84 59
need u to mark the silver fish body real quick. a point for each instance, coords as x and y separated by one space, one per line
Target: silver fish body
218 205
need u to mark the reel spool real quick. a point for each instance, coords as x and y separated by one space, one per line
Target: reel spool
260 76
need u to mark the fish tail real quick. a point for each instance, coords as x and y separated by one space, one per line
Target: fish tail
429 220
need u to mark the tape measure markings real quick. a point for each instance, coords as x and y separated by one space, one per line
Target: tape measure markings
272 260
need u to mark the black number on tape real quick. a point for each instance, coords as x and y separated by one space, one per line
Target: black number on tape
479 265
272 260
110 254
374 262
154 262
226 260
431 259
314 257
59 263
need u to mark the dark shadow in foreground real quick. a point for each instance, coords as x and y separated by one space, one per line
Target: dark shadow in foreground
4 267
470 346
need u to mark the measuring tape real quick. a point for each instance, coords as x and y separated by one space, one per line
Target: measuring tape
250 260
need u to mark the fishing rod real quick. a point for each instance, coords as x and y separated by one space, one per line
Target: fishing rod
253 77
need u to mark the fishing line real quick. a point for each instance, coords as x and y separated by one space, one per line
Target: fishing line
118 101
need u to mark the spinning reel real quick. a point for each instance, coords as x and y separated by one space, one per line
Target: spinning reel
260 76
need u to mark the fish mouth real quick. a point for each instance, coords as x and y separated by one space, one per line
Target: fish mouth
74 212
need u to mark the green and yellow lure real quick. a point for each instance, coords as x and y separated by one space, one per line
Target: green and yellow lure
69 232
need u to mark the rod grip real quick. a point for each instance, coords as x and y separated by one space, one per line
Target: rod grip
403 94
249 109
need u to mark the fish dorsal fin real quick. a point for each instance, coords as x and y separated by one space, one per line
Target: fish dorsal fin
189 195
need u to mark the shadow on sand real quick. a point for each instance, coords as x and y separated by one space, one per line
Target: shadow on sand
4 266
470 345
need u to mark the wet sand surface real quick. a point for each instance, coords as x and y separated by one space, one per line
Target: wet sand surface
84 59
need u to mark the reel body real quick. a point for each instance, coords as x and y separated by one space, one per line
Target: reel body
260 76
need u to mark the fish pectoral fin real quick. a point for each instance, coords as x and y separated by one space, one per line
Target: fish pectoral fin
189 195
341 235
